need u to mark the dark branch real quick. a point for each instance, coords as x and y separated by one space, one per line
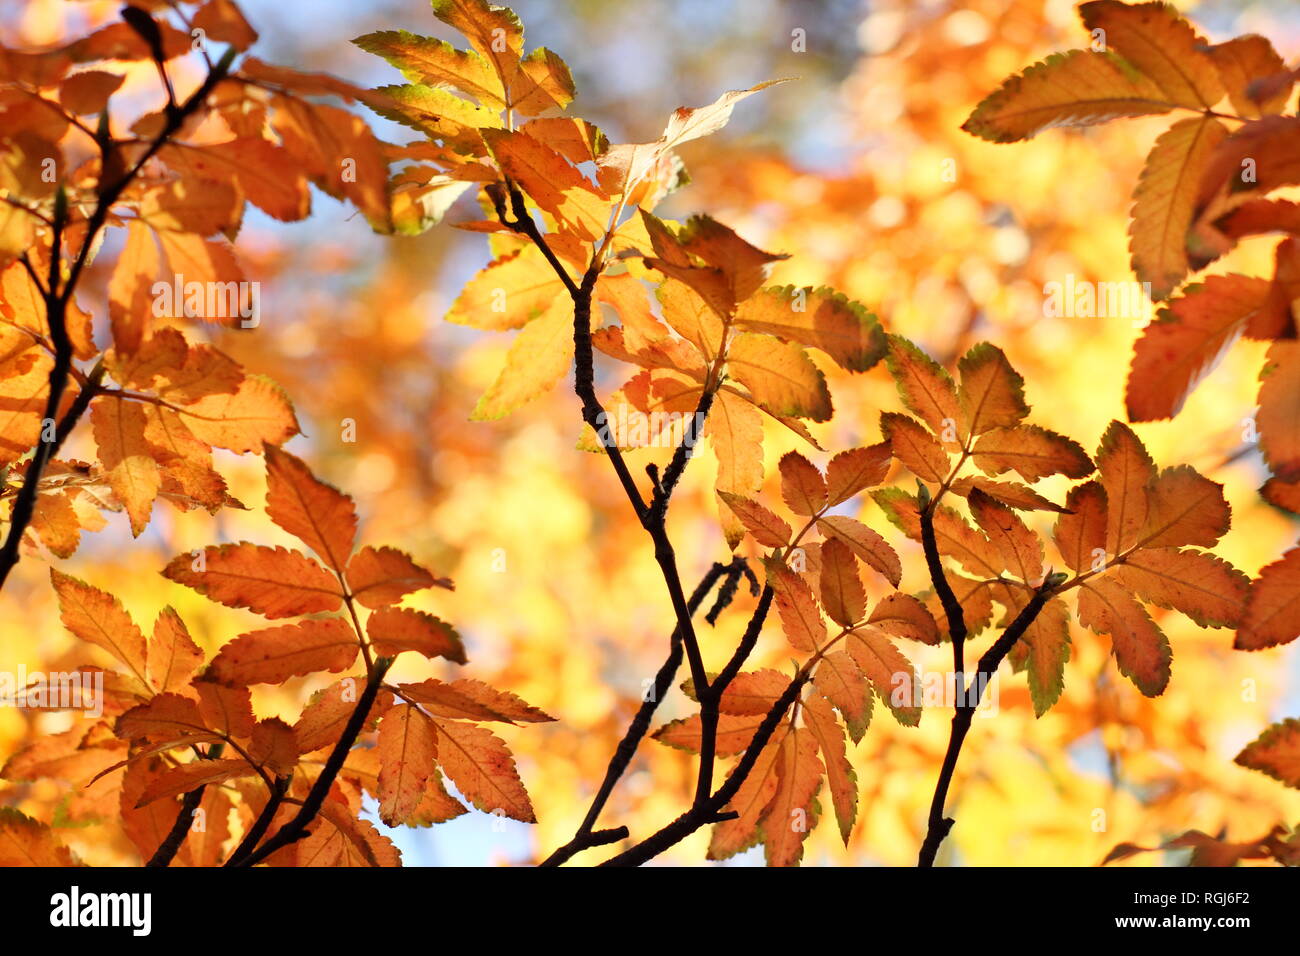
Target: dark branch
585 838
296 828
180 829
262 823
57 300
968 700
711 810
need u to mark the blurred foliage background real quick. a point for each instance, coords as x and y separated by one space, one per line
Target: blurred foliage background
860 171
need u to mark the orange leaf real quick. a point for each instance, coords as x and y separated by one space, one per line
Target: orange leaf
173 655
1031 452
844 685
802 487
925 386
25 842
1019 547
275 654
1141 648
408 746
1165 198
1127 474
1275 752
1207 589
891 675
1080 534
1162 45
132 472
1186 341
904 616
483 769
274 582
473 700
257 413
734 733
915 447
397 629
848 472
792 813
1078 88
819 318
1273 610
841 589
767 528
274 747
800 618
992 393
186 777
98 618
865 543
843 781
317 514
780 376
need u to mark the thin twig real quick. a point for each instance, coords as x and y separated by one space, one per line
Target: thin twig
180 829
968 700
296 828
587 836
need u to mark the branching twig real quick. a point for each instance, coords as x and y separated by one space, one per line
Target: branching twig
262 823
587 836
710 810
296 828
57 298
968 699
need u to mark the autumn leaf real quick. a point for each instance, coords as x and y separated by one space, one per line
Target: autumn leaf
841 589
926 388
1018 547
538 358
1186 340
317 514
840 776
1162 45
800 617
274 582
792 813
767 528
1164 201
1140 647
274 654
1031 452
379 577
483 770
865 543
1078 88
992 393
27 842
820 318
133 474
848 472
1127 474
802 487
1275 752
474 700
98 618
173 655
408 747
397 629
1271 616
780 376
